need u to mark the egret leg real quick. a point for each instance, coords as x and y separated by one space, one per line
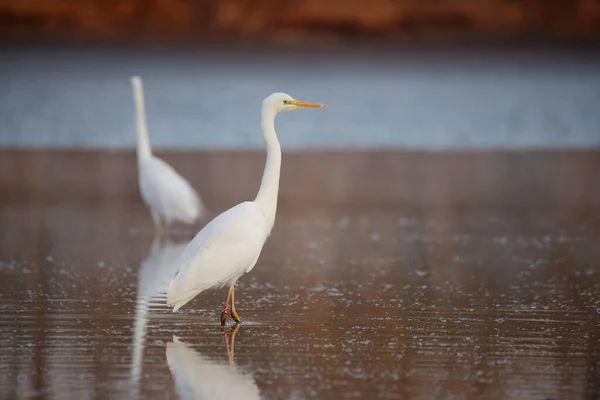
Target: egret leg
226 307
234 314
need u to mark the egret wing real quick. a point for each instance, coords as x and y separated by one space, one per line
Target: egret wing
168 192
221 252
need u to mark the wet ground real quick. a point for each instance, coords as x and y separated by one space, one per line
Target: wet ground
468 275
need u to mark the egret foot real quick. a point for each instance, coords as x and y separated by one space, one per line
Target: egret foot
224 314
235 316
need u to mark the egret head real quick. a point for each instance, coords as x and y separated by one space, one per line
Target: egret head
278 102
135 80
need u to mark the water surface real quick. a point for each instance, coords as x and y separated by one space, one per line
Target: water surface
388 275
387 98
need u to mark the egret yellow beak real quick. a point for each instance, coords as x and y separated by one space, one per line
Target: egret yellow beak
307 104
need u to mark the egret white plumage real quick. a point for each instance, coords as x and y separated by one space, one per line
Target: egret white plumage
167 194
229 245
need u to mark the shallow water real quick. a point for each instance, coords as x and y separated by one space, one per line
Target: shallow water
388 98
388 275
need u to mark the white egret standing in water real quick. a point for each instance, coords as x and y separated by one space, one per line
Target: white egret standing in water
230 244
167 194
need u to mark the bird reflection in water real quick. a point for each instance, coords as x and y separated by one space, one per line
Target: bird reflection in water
199 377
154 276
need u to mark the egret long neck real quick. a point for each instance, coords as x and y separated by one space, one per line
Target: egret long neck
266 199
143 144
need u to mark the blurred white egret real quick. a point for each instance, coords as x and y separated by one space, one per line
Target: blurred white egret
230 244
167 194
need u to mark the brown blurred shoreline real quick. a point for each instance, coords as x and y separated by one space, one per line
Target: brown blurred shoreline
477 46
299 22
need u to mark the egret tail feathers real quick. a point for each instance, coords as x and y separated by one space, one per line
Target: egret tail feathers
180 301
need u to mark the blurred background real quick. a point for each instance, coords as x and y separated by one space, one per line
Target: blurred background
400 73
299 21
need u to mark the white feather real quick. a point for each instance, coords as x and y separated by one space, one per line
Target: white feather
230 245
167 193
221 252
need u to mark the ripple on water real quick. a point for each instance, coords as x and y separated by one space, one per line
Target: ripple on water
446 302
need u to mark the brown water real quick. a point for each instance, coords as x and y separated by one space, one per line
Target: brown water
388 275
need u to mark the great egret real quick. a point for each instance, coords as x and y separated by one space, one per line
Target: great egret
230 244
167 194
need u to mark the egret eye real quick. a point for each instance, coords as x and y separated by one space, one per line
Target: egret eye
286 102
